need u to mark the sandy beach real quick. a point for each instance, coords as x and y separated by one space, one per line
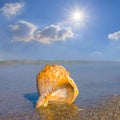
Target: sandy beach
108 109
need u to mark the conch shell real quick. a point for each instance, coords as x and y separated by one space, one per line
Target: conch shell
54 84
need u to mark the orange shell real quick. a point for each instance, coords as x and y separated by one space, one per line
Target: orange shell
55 84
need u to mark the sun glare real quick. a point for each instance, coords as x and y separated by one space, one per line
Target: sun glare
78 16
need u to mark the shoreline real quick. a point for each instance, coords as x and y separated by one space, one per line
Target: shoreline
11 62
107 109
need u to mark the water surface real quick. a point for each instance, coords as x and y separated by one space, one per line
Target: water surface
18 93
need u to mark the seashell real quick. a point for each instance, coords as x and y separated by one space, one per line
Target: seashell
54 84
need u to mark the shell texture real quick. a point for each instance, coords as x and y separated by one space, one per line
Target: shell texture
54 84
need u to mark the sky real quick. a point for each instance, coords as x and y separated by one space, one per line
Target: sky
60 30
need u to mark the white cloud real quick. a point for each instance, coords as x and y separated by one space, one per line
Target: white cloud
114 36
23 31
10 9
97 53
53 33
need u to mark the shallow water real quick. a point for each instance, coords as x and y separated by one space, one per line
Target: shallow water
18 92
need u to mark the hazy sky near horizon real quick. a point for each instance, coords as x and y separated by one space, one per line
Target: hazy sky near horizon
60 29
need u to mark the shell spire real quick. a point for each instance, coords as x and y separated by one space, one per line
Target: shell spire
54 84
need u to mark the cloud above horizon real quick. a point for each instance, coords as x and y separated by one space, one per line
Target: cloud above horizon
53 33
114 36
23 31
10 9
97 53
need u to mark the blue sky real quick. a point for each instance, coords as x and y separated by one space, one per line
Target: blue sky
46 29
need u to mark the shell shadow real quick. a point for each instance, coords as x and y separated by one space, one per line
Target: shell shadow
32 97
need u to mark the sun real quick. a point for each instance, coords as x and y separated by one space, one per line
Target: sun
77 16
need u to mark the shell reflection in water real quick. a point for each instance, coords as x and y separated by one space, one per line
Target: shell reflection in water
54 84
59 111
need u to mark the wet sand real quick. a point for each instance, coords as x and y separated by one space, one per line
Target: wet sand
108 109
